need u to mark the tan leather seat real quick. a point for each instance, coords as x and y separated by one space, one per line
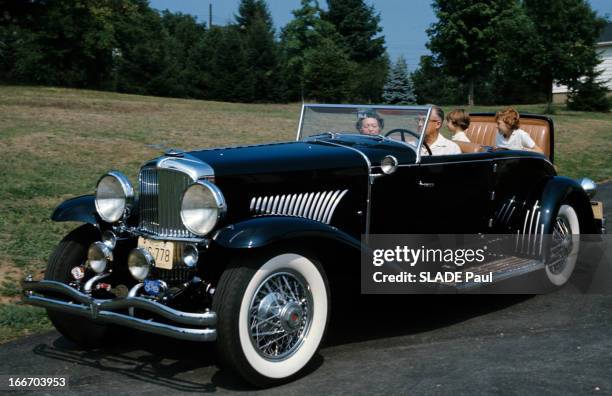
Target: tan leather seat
483 130
467 147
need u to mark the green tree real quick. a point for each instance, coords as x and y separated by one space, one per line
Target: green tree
306 32
140 57
62 42
359 26
250 11
514 76
464 39
228 66
398 89
589 94
261 51
568 31
327 72
183 71
433 85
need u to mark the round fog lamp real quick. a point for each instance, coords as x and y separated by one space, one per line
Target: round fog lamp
190 255
140 263
98 256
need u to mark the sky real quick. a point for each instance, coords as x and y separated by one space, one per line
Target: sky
403 22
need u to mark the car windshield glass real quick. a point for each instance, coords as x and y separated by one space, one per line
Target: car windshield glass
403 123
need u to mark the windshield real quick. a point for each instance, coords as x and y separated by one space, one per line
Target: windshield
403 123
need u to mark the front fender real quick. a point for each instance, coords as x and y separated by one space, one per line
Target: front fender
561 189
82 209
263 231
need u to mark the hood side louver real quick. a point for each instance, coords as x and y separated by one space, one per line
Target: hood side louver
318 206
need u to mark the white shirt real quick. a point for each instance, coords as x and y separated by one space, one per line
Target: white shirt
442 146
461 137
518 140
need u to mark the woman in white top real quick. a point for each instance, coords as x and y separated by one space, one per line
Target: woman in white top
458 121
509 134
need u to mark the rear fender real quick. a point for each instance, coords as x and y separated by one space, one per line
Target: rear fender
560 189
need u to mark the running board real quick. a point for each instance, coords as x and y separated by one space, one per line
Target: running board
500 270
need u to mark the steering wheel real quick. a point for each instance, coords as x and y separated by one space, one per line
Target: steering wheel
403 131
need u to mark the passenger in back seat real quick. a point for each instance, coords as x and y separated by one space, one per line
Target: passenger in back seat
458 121
509 134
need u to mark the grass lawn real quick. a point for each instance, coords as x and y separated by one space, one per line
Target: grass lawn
55 143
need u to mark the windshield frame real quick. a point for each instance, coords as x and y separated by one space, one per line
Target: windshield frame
375 107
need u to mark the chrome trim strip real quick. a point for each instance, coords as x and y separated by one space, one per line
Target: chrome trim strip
318 214
524 230
325 215
370 181
470 161
333 208
315 204
365 157
535 208
299 128
535 235
387 107
89 284
156 237
422 138
305 205
133 293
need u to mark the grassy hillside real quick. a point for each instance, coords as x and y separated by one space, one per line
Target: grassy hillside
56 143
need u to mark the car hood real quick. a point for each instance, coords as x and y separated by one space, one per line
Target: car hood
286 157
334 152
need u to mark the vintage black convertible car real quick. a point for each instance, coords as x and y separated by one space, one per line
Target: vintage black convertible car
243 245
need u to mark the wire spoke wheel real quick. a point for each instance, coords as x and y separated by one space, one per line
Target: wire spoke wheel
565 245
273 310
280 315
562 245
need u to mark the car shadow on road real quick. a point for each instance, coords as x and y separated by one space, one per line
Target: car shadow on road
141 357
192 367
370 317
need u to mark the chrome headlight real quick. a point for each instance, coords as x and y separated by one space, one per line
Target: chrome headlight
113 193
140 262
202 207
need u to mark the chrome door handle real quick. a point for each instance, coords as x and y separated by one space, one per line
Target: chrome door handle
428 185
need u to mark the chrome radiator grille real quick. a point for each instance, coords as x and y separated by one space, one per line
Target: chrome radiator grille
160 202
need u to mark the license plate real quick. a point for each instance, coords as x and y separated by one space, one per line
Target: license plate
162 252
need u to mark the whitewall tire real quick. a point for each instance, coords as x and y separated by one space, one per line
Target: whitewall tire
565 246
272 315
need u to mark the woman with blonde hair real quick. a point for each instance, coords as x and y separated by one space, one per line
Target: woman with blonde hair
509 134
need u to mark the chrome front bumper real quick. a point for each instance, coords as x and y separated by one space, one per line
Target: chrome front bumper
104 311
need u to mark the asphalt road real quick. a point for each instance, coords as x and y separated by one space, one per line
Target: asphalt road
559 343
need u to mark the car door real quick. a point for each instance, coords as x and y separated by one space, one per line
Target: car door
454 193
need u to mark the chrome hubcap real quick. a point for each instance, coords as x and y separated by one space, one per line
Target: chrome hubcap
280 315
